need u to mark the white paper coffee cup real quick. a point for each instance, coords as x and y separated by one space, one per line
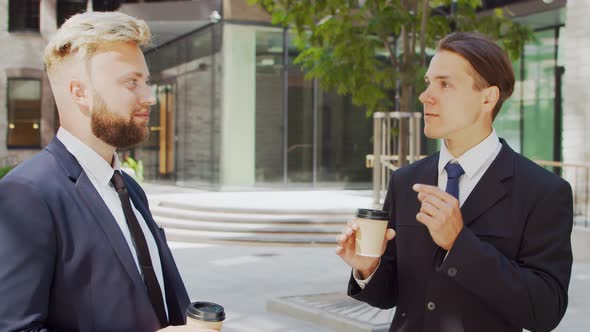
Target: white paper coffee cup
371 232
205 314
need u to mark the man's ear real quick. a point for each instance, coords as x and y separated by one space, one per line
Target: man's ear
80 94
491 95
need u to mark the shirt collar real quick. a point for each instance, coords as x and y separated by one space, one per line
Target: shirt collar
91 161
472 160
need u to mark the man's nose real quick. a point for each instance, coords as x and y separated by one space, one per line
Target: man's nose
426 97
149 98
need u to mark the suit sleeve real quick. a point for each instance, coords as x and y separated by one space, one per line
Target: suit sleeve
381 291
27 253
530 291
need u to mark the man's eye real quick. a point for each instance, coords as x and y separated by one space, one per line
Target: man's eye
133 83
444 84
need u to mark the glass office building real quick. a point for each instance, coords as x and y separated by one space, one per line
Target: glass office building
234 111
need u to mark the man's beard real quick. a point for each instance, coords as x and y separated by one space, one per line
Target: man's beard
114 129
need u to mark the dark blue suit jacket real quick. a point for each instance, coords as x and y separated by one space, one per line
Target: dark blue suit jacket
64 263
509 268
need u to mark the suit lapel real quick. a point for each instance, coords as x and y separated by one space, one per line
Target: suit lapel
428 174
103 216
96 206
491 187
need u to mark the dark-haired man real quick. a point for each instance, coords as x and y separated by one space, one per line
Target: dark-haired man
480 235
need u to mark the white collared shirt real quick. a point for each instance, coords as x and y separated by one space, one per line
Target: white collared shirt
475 162
100 173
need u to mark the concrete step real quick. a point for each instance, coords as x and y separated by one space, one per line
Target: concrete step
293 218
215 206
225 226
253 218
192 236
333 310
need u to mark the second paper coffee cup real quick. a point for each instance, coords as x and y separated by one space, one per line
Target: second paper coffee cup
206 314
371 232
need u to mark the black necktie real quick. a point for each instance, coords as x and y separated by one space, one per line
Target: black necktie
454 172
141 248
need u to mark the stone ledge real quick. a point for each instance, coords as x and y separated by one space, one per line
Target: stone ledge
333 310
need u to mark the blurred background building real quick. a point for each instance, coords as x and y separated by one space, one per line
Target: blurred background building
235 112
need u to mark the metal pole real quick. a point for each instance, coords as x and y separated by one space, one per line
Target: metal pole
315 133
285 102
376 161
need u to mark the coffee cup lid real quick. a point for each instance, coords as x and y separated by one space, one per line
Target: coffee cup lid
372 214
206 311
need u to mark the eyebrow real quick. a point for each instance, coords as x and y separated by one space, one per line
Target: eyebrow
438 77
136 74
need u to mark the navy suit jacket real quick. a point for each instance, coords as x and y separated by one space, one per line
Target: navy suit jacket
65 264
509 268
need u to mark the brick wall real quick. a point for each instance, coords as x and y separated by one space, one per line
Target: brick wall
21 52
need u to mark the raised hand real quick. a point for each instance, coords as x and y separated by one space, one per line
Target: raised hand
440 213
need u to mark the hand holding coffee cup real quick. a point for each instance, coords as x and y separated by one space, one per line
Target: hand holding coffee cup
206 315
363 240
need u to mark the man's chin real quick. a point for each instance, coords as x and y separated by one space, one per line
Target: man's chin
431 133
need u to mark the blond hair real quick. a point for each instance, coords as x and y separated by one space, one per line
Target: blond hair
82 34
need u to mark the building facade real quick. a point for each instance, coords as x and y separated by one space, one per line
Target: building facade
234 111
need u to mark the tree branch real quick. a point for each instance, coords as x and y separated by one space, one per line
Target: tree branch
423 25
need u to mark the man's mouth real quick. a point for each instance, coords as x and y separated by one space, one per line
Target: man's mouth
143 115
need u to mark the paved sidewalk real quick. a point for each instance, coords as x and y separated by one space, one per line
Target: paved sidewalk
244 278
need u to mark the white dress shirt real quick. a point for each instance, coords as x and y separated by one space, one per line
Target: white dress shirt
475 162
100 173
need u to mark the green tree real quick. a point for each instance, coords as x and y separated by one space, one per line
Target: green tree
371 48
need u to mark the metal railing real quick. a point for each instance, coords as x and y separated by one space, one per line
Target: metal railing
386 145
577 174
385 159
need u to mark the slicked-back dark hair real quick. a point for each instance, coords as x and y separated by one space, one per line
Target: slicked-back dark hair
490 63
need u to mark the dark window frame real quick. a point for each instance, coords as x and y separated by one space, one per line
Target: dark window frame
31 9
23 78
67 9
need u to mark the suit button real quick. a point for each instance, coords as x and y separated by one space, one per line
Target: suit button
404 315
452 272
431 306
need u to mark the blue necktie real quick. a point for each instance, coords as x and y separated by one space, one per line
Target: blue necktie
454 172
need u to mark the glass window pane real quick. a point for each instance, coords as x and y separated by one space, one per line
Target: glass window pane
185 122
539 97
24 113
300 128
68 8
344 140
269 156
23 15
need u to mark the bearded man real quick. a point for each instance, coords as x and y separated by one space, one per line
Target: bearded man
79 248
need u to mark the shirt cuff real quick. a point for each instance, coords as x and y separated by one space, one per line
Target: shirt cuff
363 283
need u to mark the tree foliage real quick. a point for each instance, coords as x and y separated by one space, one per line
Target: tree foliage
367 48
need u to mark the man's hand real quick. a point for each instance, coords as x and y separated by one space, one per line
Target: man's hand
440 213
186 328
365 266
